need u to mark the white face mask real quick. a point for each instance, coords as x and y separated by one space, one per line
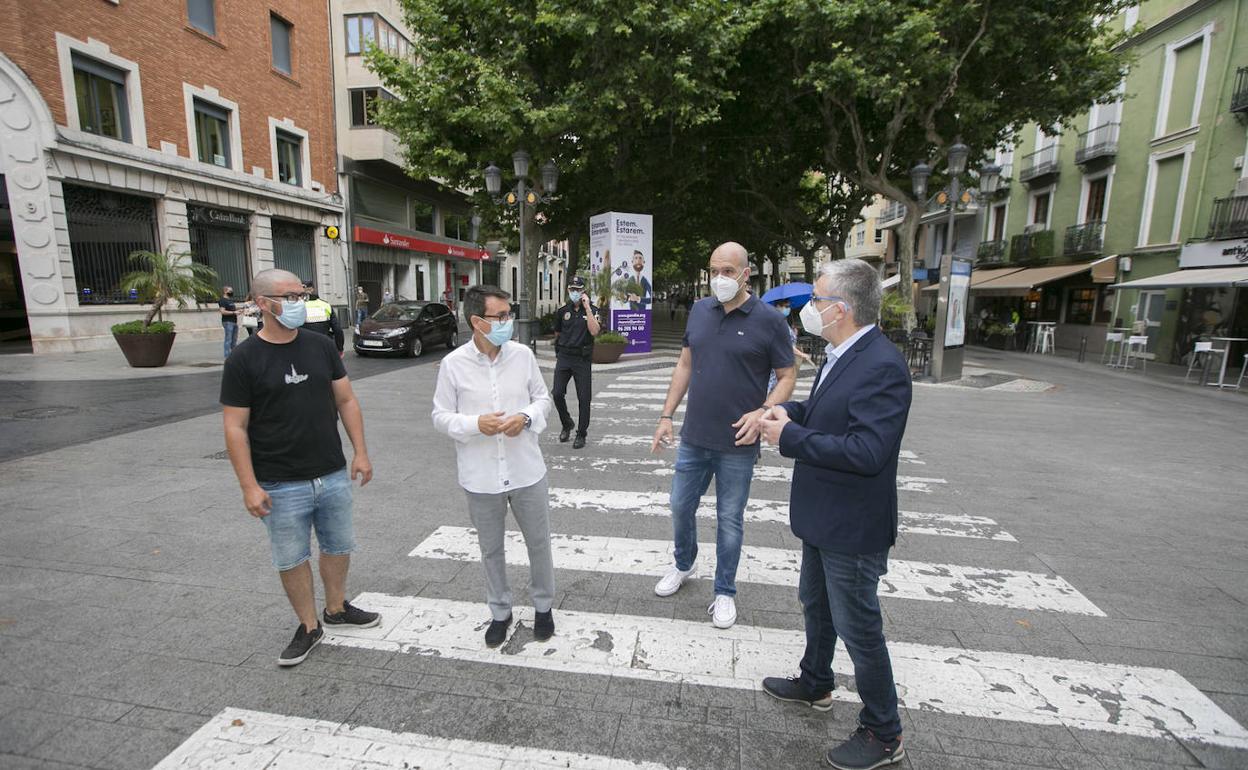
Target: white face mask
724 288
812 319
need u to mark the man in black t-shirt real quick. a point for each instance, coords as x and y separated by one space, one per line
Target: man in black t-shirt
229 318
576 325
283 392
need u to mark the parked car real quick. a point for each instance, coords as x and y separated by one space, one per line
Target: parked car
407 327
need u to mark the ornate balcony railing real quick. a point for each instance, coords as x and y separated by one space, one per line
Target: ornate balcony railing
1086 238
893 210
991 253
1099 142
1229 218
1239 99
1030 247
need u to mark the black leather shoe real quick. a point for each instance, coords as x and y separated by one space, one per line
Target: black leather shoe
791 689
564 435
496 634
579 443
543 625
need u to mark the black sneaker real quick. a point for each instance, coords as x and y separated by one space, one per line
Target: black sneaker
791 689
351 616
564 435
496 634
297 651
579 443
864 751
543 625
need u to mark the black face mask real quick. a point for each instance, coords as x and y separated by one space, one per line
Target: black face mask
229 294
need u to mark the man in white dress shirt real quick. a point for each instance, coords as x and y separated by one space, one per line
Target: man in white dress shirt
492 400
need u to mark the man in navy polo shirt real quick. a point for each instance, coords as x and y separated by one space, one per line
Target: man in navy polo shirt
732 344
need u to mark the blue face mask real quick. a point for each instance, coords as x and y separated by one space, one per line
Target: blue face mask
500 332
575 296
784 311
293 314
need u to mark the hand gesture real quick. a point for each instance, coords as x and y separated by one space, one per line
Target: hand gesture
362 469
772 424
512 426
257 502
490 424
747 427
662 437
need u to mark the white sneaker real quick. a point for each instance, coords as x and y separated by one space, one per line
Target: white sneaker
723 611
672 581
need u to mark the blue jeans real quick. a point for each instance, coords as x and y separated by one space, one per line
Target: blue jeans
732 471
360 315
839 597
231 336
323 504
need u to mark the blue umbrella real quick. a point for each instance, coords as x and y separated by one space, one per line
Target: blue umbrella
796 293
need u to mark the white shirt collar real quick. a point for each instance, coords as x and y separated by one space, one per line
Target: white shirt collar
834 352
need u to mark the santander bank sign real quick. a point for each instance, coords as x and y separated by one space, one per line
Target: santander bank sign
408 243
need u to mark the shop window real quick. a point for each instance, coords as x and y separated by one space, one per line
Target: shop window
280 39
422 216
1080 306
212 133
101 94
105 227
458 226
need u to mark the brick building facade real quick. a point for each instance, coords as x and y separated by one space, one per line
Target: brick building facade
202 125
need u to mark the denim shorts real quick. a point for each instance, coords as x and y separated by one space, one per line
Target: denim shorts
299 507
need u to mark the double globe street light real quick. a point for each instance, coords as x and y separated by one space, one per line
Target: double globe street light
524 197
947 360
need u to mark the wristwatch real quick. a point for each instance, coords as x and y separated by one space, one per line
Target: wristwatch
528 422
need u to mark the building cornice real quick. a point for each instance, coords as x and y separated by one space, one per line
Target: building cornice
1179 16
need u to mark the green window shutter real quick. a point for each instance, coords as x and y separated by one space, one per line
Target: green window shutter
1183 87
1165 200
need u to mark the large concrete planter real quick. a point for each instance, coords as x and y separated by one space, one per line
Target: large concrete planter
608 352
146 350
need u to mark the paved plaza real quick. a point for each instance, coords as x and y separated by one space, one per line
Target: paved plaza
1069 589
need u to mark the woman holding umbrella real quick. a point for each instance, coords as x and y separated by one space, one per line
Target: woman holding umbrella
788 299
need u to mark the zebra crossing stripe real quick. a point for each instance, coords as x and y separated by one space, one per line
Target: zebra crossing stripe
1010 687
240 738
618 439
648 406
776 566
768 511
763 472
656 395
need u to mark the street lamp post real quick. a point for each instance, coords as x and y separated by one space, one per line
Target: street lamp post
524 197
946 353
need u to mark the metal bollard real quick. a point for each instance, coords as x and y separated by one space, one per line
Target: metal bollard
1083 347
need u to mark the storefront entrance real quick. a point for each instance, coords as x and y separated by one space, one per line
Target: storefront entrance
14 327
219 240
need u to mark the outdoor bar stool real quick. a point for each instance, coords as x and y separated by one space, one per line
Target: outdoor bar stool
1137 348
1240 382
1047 342
1115 339
1203 352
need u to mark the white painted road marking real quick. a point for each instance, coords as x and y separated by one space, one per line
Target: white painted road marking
768 511
1129 700
656 395
647 407
621 439
239 738
922 581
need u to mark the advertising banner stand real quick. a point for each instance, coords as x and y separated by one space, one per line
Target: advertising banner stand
622 245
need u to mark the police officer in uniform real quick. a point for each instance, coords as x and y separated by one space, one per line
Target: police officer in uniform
321 318
576 325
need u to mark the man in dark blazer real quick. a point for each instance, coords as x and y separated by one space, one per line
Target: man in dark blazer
845 439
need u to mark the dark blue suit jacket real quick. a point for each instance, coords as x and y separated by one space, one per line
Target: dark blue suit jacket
845 439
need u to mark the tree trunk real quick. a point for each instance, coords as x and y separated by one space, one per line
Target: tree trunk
808 261
574 251
775 270
905 260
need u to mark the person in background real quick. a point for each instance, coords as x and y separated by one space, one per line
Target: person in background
229 318
282 395
249 315
491 399
846 439
321 318
786 310
731 344
576 325
361 305
387 296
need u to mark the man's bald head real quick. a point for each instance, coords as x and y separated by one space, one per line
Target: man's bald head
734 251
271 283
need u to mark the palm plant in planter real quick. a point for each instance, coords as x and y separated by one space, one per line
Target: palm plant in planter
609 345
161 277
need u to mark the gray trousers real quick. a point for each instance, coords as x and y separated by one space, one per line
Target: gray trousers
531 507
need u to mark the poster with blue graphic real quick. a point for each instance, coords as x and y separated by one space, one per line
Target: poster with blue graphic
622 245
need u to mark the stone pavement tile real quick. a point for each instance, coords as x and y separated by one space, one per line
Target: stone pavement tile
562 729
929 760
280 693
1148 749
541 696
34 582
25 729
319 666
615 704
767 749
1027 645
1054 737
14 762
1206 672
677 744
58 667
400 710
643 689
1112 762
777 618
1169 637
170 683
1232 581
179 722
1011 754
1219 757
576 699
652 606
716 696
100 709
108 745
585 603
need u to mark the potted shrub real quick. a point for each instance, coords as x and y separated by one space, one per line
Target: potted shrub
608 347
161 277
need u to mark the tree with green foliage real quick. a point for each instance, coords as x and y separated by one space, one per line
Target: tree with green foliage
894 82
